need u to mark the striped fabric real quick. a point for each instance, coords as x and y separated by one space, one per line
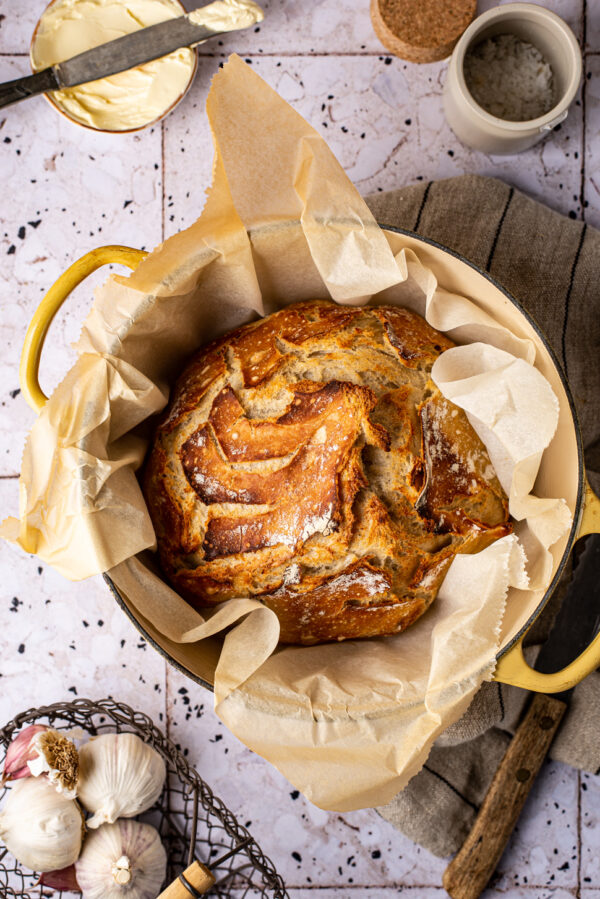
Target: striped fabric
551 264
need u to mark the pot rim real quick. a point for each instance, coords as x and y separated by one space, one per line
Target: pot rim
580 468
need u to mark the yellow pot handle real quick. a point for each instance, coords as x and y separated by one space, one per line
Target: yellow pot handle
512 667
58 293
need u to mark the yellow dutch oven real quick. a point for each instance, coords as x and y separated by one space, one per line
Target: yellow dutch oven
561 472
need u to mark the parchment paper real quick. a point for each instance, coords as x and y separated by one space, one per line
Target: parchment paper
348 723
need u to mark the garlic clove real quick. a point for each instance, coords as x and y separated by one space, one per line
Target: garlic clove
65 880
119 777
57 758
41 827
121 871
20 752
125 858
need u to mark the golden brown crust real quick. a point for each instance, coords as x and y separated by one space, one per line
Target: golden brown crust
307 459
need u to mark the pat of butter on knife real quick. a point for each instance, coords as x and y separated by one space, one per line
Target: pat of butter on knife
227 15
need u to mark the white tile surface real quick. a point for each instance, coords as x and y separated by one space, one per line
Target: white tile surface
590 830
593 28
16 30
293 26
543 849
524 893
62 639
67 190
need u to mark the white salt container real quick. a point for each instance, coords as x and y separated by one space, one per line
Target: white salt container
558 45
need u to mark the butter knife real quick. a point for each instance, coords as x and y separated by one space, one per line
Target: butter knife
125 52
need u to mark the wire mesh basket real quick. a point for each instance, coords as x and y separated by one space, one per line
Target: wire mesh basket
191 820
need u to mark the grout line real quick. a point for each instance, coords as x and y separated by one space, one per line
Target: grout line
277 53
290 54
167 703
583 117
396 888
578 894
167 722
9 477
365 54
162 171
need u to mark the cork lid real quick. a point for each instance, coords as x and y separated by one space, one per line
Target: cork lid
421 30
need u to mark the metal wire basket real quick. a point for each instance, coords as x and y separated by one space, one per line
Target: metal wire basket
191 820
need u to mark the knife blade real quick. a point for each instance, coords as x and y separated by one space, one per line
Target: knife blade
575 626
123 53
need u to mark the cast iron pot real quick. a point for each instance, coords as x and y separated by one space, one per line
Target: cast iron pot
561 473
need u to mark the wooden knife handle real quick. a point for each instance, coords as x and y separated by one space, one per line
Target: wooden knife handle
471 868
195 881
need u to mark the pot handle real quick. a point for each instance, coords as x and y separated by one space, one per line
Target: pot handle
58 293
513 669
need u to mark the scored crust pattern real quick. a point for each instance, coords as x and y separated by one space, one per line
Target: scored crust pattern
308 460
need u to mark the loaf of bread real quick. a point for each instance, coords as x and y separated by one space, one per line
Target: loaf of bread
308 460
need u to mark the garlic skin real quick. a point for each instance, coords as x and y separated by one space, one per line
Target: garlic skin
119 777
65 880
42 828
20 752
122 859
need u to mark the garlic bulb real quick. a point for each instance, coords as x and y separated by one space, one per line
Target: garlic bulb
42 828
40 749
126 858
119 777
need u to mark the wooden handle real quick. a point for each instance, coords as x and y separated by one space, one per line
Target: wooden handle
195 881
471 868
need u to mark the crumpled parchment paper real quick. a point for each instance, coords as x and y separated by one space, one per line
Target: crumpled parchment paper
347 723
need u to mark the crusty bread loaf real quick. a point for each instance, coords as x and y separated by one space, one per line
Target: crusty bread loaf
307 459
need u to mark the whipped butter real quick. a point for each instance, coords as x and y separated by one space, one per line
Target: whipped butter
124 101
227 15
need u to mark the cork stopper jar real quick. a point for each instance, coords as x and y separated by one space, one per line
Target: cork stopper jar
421 30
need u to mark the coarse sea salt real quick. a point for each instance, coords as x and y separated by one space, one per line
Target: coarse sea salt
509 78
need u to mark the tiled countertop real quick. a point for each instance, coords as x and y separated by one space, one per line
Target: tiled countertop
67 190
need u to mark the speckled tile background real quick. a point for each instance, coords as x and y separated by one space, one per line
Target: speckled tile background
67 190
